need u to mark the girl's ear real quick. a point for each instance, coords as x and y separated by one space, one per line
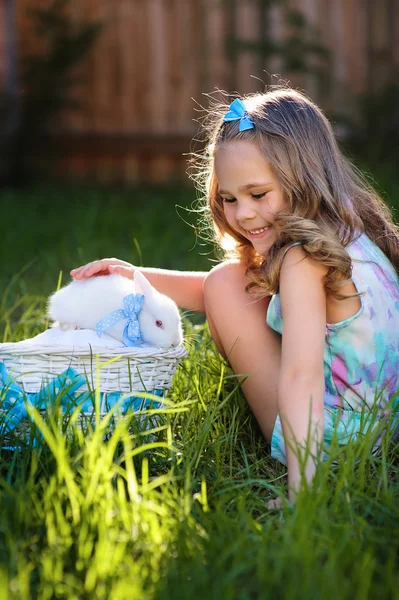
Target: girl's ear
142 285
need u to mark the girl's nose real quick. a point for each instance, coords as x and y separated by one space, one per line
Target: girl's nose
245 211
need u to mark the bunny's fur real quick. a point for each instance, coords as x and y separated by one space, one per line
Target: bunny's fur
82 303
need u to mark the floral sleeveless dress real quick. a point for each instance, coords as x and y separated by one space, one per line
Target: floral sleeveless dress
361 353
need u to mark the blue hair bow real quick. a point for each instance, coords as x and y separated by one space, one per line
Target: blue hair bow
131 334
237 112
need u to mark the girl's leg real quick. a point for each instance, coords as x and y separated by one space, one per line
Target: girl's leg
238 326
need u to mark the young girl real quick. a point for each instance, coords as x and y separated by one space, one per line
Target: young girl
309 305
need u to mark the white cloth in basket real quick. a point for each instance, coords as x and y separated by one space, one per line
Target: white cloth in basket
75 337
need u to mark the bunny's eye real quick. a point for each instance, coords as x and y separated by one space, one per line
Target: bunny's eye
158 323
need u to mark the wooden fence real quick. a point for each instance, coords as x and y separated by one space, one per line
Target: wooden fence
153 57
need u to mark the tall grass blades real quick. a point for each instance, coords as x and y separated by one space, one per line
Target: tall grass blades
109 509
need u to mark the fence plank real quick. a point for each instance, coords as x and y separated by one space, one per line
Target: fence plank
217 28
380 43
247 31
275 29
154 56
3 47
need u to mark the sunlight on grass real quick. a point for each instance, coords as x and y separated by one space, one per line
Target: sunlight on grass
89 510
108 508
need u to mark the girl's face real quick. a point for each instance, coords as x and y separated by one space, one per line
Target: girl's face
251 193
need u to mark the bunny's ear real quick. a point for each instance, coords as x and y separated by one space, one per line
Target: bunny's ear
142 285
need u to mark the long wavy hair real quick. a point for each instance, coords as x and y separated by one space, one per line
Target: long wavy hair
329 201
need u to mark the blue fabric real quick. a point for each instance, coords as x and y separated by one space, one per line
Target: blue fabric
13 399
237 112
131 334
340 425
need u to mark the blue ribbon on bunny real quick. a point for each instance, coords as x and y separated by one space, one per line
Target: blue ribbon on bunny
131 334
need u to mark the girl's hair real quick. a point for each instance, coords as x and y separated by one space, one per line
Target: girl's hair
330 202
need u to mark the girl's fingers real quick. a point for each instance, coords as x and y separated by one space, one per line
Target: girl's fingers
120 270
275 503
88 270
91 267
94 268
79 272
103 267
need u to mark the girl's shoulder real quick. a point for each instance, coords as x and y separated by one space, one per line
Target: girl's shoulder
294 254
289 246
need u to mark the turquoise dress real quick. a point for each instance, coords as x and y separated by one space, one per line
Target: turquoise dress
361 353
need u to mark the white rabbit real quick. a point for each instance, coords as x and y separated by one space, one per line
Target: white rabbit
84 302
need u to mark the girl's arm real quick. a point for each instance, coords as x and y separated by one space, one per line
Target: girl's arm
184 287
300 395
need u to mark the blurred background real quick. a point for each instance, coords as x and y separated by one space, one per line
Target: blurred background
99 106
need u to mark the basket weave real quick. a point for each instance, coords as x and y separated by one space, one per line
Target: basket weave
132 369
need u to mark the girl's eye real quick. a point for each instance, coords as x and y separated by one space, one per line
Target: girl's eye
158 323
229 200
258 196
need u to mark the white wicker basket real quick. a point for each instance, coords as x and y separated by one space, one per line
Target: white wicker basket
122 370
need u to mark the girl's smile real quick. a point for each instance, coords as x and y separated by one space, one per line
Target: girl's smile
259 233
251 193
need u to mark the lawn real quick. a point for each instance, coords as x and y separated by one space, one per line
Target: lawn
182 515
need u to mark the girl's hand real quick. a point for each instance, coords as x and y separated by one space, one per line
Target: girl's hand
105 266
275 503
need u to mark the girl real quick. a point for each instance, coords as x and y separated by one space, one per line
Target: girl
308 306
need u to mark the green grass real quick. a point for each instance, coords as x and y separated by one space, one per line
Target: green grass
184 515
51 230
